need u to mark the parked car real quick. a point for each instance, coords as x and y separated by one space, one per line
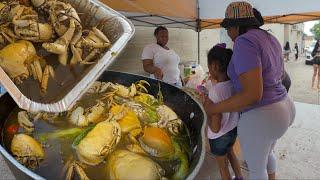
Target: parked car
308 54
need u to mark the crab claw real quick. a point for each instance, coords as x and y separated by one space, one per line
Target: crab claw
77 117
23 120
133 90
60 46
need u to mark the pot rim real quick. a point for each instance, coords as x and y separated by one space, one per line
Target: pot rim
191 176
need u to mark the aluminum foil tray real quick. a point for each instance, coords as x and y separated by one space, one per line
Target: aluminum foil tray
71 84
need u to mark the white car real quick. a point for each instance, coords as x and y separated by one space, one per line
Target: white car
309 51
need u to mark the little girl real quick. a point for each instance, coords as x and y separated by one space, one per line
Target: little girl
222 128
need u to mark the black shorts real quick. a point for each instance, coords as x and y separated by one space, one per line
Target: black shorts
316 60
222 145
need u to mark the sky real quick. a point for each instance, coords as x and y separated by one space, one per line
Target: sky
308 25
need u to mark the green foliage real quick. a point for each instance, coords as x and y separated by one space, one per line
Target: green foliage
316 30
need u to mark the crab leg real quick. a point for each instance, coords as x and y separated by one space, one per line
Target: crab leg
38 69
76 57
80 172
32 69
23 120
76 51
9 37
44 81
94 41
100 35
69 173
88 59
74 166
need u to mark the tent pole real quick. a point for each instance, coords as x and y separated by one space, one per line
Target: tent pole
198 47
198 29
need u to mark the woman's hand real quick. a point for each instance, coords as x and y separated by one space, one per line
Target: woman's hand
158 73
150 68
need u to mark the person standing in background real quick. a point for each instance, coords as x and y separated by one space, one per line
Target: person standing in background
160 61
316 63
287 51
296 48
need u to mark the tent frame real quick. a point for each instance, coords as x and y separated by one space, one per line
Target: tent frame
197 27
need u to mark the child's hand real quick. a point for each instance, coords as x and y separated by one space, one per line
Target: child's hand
202 90
203 98
208 105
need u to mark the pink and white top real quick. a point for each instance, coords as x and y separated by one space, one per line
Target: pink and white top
219 92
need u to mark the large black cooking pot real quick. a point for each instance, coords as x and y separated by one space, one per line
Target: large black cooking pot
183 104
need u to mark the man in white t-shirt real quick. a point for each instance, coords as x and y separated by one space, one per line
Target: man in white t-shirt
160 61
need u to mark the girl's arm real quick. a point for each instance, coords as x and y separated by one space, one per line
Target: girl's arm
252 89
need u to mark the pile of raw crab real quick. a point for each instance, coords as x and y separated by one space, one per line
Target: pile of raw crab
124 128
53 25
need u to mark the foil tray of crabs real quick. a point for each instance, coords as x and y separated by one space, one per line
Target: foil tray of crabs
51 51
113 132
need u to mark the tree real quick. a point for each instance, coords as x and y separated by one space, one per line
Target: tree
316 30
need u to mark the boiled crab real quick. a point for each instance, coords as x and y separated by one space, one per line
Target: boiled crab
60 14
5 7
169 120
66 23
99 142
7 36
123 164
61 45
4 10
27 26
82 117
24 121
123 91
27 150
19 60
98 87
90 46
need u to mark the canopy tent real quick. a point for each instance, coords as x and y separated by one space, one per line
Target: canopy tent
208 14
